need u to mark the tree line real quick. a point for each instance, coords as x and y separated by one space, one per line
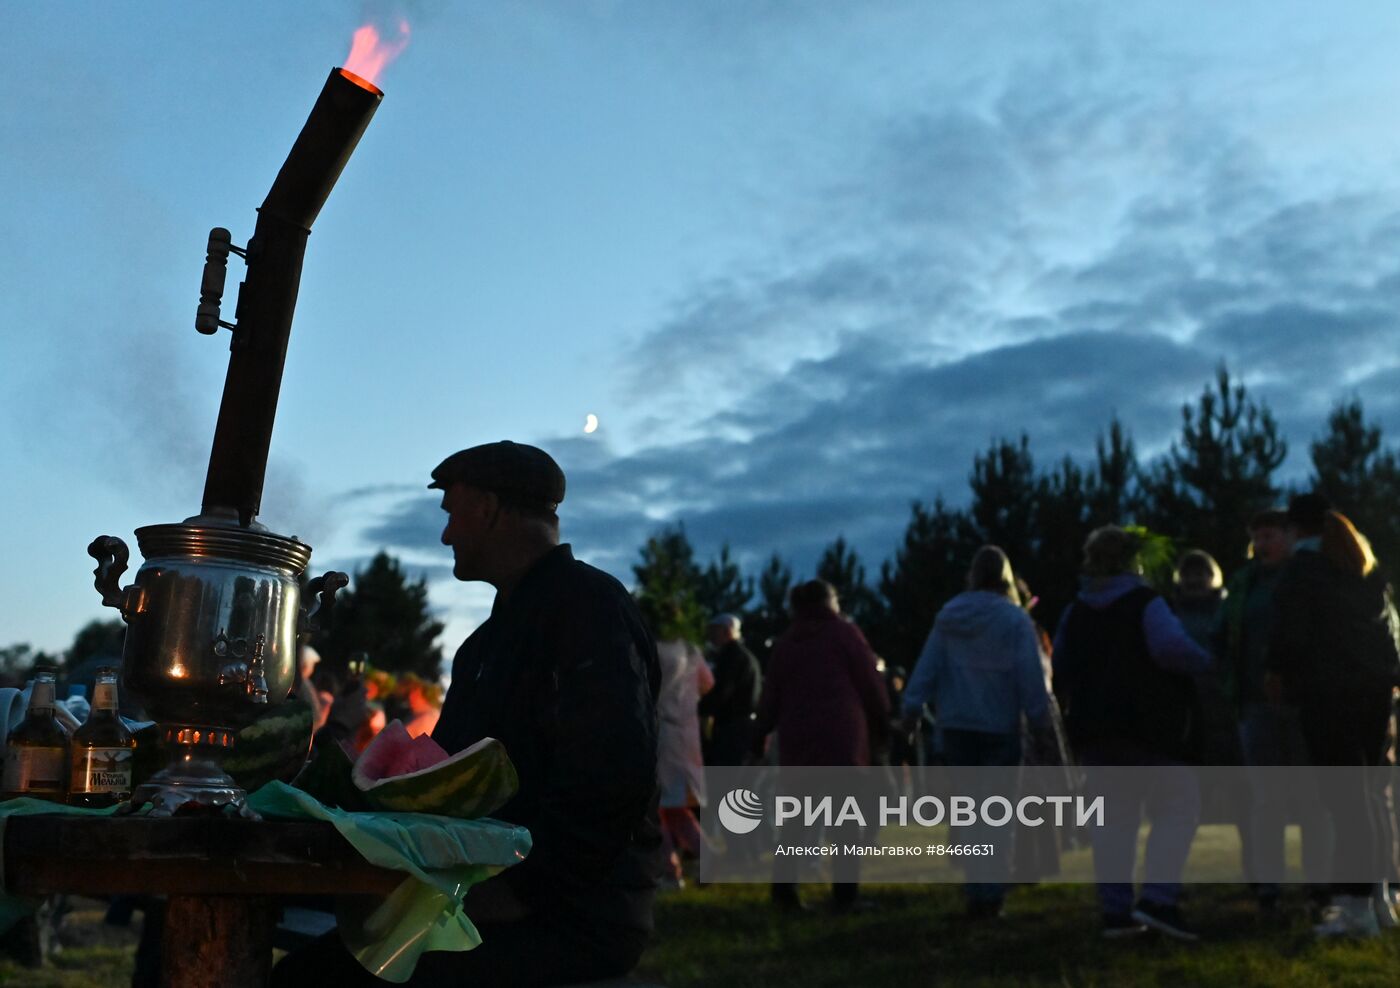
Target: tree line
1219 470
1200 494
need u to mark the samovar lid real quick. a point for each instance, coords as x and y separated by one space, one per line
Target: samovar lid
247 545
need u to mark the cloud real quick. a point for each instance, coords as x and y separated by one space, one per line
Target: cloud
1303 343
851 463
1076 246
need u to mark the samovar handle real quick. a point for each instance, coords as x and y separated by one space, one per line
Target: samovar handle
323 588
111 554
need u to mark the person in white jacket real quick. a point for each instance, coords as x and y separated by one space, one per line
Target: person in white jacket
680 769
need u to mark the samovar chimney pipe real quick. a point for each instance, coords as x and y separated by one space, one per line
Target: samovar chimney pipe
268 296
216 612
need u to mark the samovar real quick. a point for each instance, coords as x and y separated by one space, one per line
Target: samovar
216 609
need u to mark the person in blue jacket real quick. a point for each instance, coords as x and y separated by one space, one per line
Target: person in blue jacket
1123 668
980 668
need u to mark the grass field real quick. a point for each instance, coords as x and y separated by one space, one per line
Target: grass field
728 936
93 955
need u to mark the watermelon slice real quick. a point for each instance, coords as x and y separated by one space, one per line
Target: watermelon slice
393 752
415 775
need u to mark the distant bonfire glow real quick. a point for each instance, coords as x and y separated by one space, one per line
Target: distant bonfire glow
371 54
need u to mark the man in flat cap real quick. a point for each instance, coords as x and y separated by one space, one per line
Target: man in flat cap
565 674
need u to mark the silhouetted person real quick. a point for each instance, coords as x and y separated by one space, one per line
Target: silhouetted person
824 696
1269 732
1123 676
1197 601
980 667
423 705
680 768
564 673
1332 654
1200 590
731 704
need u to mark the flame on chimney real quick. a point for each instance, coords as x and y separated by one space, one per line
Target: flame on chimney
371 54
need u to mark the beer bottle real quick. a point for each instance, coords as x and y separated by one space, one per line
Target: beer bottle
36 753
102 751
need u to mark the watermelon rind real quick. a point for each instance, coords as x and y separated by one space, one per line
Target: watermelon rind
275 746
473 783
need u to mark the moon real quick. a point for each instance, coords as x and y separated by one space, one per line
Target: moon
590 424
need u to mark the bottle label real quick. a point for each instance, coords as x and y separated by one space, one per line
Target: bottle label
101 770
30 769
105 696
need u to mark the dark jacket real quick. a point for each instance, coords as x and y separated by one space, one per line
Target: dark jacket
1216 738
1123 668
564 673
1333 633
823 694
731 702
1240 637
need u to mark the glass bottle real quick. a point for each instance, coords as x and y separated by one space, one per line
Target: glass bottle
102 751
36 753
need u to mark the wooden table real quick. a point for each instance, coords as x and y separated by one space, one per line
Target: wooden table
222 876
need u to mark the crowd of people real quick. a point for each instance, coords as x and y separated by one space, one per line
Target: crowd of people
610 723
1293 663
353 709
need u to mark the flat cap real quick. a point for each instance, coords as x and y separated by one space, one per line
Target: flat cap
514 472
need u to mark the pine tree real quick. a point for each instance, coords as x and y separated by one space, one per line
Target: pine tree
768 618
1063 519
840 566
1003 498
1349 458
722 587
928 569
1112 493
387 616
668 586
1217 474
1070 502
1361 478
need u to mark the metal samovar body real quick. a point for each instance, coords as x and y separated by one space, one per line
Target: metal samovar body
213 621
216 608
213 632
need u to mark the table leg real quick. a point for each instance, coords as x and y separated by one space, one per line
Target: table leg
216 942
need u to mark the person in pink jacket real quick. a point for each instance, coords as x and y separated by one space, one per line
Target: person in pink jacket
826 700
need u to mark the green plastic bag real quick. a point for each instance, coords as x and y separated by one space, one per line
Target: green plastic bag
425 911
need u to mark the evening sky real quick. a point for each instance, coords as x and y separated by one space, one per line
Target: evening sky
802 260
